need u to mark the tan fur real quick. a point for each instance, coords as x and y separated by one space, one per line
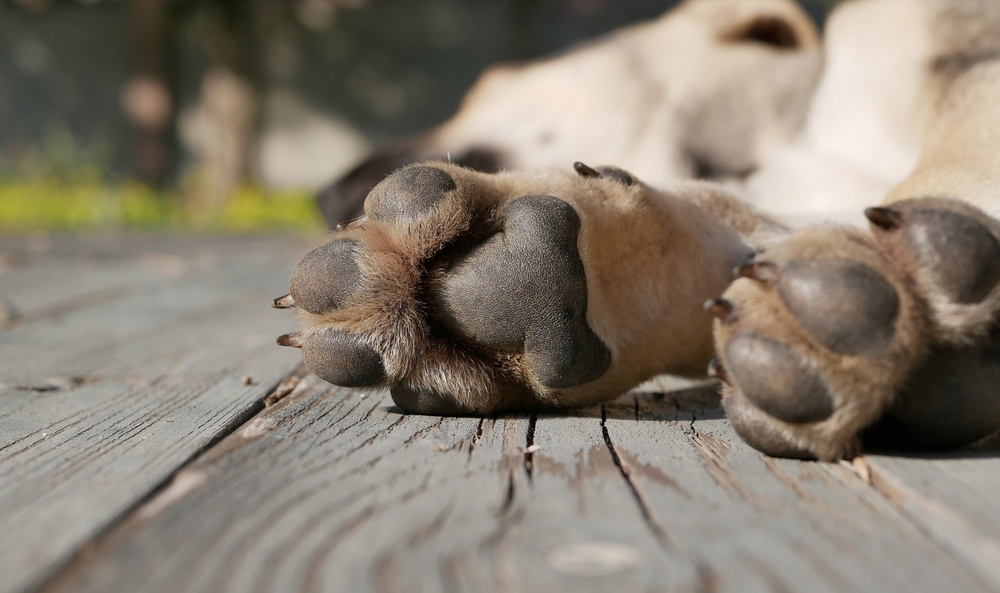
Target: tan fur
651 257
863 387
954 117
684 253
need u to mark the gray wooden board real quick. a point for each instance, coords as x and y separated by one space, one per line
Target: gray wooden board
952 496
116 480
764 524
144 381
332 491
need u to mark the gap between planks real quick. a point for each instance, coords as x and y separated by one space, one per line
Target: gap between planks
896 493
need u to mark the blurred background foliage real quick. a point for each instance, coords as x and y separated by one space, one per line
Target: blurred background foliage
230 114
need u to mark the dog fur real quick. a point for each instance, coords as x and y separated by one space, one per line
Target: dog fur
826 336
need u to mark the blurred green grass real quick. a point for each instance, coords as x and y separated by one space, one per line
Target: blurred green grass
81 204
61 185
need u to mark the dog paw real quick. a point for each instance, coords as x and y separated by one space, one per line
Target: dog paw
834 331
470 293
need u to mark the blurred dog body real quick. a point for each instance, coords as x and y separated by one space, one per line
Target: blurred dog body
824 333
711 89
737 91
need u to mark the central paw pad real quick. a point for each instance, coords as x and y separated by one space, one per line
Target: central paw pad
523 290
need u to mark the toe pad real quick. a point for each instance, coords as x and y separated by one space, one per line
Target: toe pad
326 277
961 253
776 380
338 357
408 193
845 306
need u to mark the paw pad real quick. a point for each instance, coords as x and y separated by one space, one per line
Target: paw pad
951 400
757 429
456 291
326 277
816 334
524 290
777 380
937 237
342 359
408 193
845 306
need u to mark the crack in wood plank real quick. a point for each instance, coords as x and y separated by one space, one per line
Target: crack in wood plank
648 516
469 443
420 433
509 495
713 453
529 447
367 442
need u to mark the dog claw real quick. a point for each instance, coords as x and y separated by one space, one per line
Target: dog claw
283 302
760 271
347 224
887 219
585 171
716 370
292 340
720 308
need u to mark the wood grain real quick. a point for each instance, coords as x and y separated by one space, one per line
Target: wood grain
134 456
332 491
100 404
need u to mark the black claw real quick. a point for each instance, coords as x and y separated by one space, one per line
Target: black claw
886 219
716 370
292 340
283 302
619 175
760 271
584 170
721 308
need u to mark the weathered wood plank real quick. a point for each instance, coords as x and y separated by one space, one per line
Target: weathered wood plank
329 491
951 497
145 382
332 490
762 524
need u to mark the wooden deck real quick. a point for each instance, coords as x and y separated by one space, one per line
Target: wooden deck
137 455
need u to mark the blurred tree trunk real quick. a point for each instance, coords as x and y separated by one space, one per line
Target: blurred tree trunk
227 111
146 97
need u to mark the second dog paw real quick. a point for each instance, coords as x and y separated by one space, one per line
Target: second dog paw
835 335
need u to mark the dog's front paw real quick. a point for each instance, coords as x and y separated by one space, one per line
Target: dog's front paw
833 332
468 293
